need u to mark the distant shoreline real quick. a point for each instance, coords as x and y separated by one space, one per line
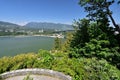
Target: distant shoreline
52 36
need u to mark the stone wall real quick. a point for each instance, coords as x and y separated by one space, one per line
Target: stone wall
36 71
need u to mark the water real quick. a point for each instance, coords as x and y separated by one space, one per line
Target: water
10 46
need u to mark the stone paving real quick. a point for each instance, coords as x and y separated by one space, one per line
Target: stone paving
35 77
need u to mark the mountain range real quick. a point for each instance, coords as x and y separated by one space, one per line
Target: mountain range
46 25
36 25
8 25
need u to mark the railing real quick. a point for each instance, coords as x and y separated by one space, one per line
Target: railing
36 71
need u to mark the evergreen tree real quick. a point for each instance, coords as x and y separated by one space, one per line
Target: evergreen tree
98 10
81 35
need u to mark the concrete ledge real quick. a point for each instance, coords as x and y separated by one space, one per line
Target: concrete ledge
36 71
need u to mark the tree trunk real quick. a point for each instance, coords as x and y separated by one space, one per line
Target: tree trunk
113 21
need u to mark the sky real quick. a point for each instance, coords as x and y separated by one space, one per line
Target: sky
57 11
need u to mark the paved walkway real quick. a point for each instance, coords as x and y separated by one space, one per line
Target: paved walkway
35 77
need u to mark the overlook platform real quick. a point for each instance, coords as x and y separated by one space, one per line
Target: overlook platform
36 74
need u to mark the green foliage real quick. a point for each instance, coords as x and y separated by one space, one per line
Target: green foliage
17 62
44 60
97 9
77 68
45 56
94 31
100 42
66 45
94 49
99 70
99 49
57 44
86 69
81 35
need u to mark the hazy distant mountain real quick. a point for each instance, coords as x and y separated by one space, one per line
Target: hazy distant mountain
7 25
35 25
46 25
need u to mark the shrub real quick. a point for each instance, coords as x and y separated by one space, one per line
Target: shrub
99 70
77 68
45 59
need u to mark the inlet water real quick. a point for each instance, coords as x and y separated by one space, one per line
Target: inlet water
10 45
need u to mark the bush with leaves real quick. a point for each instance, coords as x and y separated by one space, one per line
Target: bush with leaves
77 68
86 69
99 49
99 70
44 59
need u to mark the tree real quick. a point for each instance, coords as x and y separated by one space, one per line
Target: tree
98 10
90 40
57 44
66 44
119 2
81 35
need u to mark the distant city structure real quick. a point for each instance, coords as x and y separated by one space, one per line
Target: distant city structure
34 28
9 30
41 31
21 31
58 35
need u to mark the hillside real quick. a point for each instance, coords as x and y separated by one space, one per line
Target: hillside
8 25
36 25
46 25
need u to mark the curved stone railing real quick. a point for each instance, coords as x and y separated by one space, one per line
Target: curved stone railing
36 71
